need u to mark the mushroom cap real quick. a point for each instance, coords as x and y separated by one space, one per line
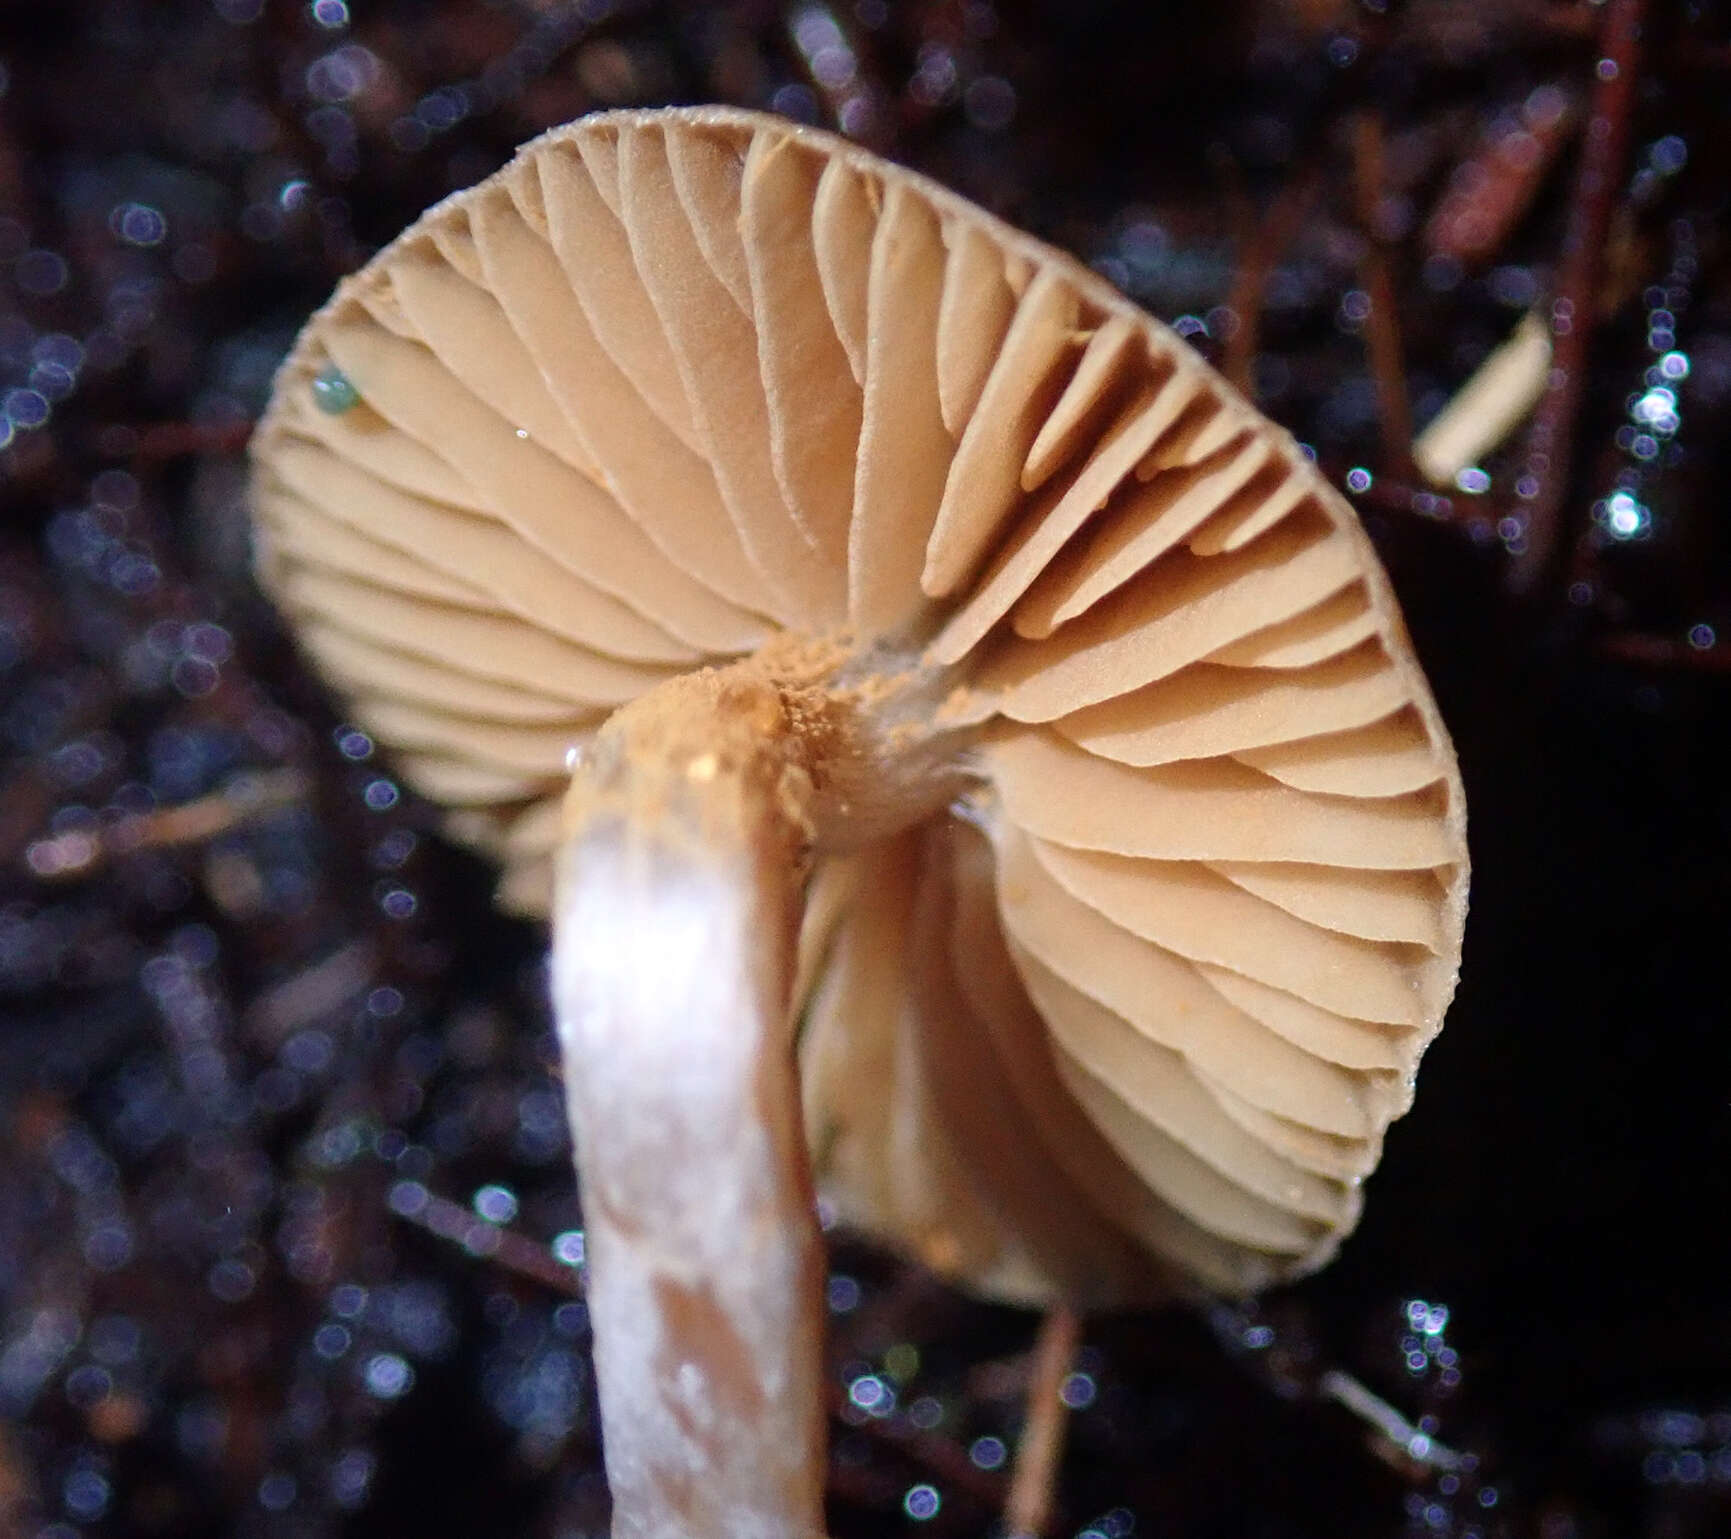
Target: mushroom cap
1138 1007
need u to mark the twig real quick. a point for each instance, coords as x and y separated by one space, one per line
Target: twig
158 441
829 46
869 1488
1409 1441
515 1252
944 1459
1550 445
1390 494
1699 58
1493 187
78 851
32 792
1278 230
310 993
1489 406
1665 652
1382 329
1033 1485
1565 21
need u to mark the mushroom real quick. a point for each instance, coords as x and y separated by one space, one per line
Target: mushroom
971 759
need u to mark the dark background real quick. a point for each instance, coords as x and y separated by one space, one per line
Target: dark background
262 1039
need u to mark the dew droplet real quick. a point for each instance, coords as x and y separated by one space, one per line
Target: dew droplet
334 392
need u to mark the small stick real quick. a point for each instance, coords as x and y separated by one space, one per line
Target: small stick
1488 407
32 792
943 1458
1376 272
852 98
1666 652
1389 494
1033 1485
1277 231
244 797
514 1252
247 796
1410 1441
1573 310
309 993
1490 190
159 441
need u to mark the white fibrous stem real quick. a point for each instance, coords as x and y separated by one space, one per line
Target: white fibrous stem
675 929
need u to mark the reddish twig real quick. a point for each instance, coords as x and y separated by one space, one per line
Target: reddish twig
1382 326
514 1252
1603 155
32 791
1391 494
1667 652
77 852
860 1487
1033 1488
1700 58
932 1453
1277 231
829 45
944 1459
1490 190
158 441
1565 21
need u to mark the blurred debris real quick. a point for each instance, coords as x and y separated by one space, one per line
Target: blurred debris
1382 322
1031 1509
80 851
1492 189
1537 530
1494 401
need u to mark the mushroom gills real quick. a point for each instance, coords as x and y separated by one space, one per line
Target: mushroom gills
479 551
715 350
1203 606
680 389
1202 810
653 474
904 447
1166 997
1158 1086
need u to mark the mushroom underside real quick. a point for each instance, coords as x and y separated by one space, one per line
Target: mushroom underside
1126 929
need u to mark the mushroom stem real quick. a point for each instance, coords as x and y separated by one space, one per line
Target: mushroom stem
674 945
